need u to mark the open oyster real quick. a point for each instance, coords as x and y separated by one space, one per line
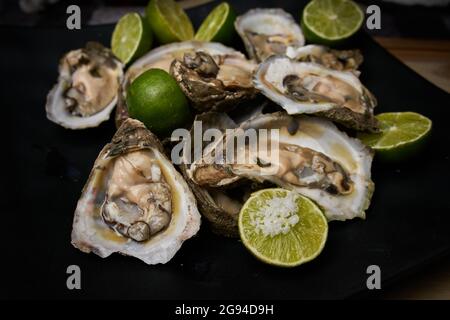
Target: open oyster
215 82
341 60
309 155
86 92
302 87
220 206
267 32
162 58
134 202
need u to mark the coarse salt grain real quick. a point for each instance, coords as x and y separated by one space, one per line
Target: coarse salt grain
278 215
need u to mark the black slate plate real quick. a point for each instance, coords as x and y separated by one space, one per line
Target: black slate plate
45 168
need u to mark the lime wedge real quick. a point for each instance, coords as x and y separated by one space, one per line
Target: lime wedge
169 22
282 228
131 38
400 132
218 25
331 21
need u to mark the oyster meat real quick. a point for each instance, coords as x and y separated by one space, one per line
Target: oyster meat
135 202
87 88
214 82
309 155
267 32
341 60
306 87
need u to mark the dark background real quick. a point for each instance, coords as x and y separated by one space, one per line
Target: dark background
397 20
46 166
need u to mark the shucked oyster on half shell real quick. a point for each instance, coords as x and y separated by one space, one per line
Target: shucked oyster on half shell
303 87
215 82
87 88
220 206
267 32
313 158
162 58
341 60
135 202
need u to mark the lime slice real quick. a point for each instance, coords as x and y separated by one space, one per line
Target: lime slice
169 22
131 38
331 21
218 25
282 228
401 132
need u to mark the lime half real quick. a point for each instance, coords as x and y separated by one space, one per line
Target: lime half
331 21
131 38
282 228
400 132
218 25
169 22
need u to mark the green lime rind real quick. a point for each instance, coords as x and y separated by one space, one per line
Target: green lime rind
131 38
402 135
303 242
218 25
156 99
169 21
146 44
331 22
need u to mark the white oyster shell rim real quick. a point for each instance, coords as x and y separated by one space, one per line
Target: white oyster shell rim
359 164
145 62
91 234
58 113
268 21
356 158
270 74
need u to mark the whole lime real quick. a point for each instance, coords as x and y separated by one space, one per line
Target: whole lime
156 99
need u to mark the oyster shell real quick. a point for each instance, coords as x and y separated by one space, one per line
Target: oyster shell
267 32
215 82
302 87
162 58
341 60
219 206
86 92
312 157
134 202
